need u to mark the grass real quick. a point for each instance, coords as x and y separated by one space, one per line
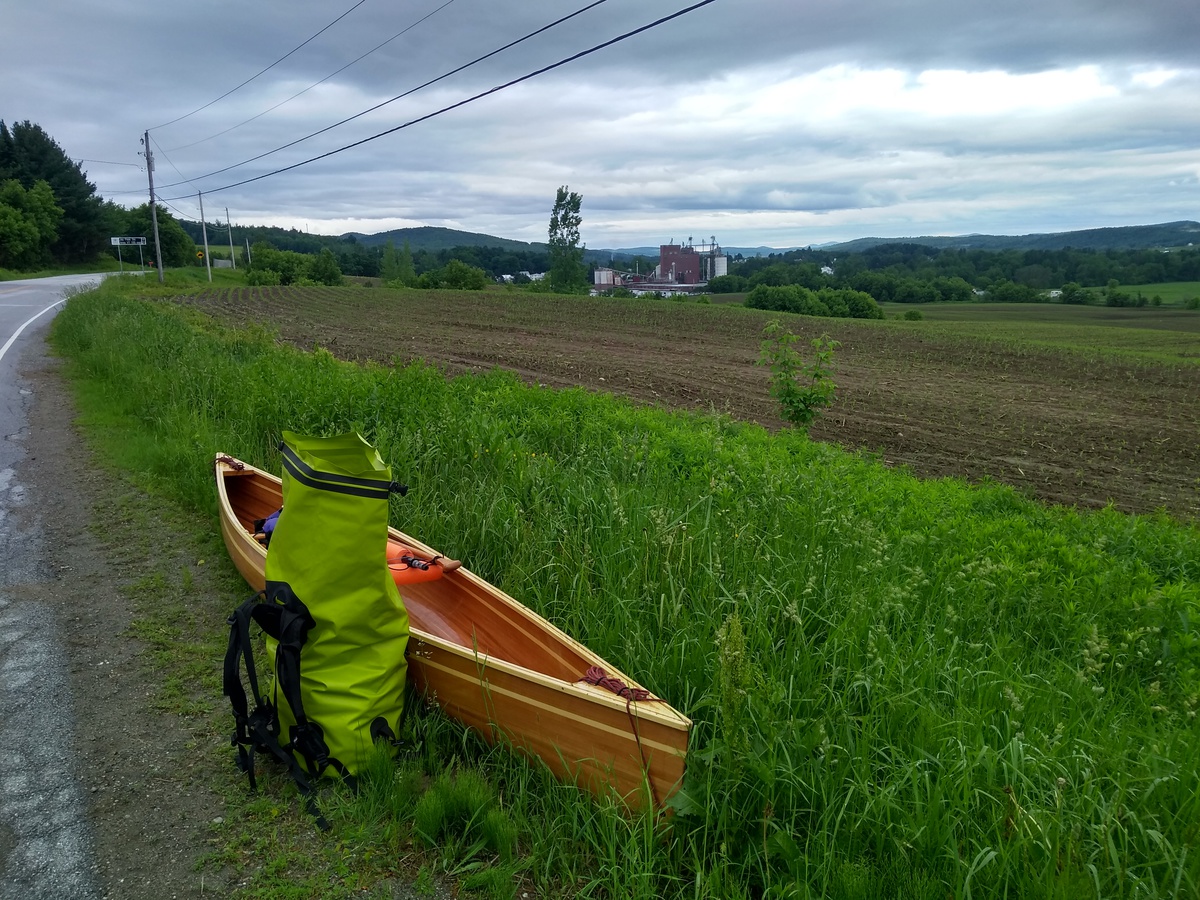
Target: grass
100 264
900 688
1171 292
1149 334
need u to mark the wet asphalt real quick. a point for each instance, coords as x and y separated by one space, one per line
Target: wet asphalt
45 839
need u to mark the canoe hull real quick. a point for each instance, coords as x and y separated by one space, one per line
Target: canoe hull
500 669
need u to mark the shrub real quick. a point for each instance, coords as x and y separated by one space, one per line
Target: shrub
914 315
455 275
793 298
262 277
803 391
728 284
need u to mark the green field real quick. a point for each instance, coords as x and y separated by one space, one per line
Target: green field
901 688
1171 292
1157 334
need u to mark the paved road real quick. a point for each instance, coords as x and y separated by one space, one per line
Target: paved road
45 842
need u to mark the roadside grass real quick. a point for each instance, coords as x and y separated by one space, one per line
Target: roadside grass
899 688
187 278
101 264
265 842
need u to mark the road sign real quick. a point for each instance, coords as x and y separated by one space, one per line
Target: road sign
128 241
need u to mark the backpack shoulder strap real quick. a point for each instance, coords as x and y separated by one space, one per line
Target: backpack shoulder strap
258 729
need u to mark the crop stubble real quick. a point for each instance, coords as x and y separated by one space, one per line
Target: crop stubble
1063 427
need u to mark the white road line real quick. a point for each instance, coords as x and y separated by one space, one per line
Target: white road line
30 321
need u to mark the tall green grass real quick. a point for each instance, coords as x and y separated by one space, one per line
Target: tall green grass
900 688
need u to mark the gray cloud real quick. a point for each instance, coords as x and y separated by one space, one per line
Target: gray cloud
768 121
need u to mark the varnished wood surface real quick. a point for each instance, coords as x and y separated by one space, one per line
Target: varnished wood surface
501 669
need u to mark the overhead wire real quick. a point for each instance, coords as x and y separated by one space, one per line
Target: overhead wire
105 162
472 99
407 93
264 71
177 210
172 164
317 83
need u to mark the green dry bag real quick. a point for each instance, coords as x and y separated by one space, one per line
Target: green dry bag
336 626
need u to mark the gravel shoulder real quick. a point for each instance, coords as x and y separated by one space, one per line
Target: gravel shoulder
145 754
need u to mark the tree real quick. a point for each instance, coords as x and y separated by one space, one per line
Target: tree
286 265
30 155
28 224
567 272
323 268
408 271
177 248
389 266
1073 293
456 275
460 276
397 267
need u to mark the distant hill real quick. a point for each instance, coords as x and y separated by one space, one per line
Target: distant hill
434 239
1131 237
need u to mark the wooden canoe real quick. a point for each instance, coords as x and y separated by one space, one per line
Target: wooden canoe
498 667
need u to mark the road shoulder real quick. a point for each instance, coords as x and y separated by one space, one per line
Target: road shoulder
120 575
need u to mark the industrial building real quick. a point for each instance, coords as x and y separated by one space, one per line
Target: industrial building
681 268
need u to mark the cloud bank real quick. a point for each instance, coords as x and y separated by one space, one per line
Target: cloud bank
760 122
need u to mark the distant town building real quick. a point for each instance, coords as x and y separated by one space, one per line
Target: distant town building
681 268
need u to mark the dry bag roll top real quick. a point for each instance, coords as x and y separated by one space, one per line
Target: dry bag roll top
336 626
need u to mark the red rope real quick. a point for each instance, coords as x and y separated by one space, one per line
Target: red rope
598 677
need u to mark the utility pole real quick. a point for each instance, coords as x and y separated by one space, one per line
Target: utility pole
204 231
229 222
153 204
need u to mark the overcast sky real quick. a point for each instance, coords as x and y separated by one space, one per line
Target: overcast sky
762 122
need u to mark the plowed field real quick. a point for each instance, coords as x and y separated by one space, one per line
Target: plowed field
1083 430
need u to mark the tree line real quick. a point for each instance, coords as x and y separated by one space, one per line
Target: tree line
368 261
915 273
51 215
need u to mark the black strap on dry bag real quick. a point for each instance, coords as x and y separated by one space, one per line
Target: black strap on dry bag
258 729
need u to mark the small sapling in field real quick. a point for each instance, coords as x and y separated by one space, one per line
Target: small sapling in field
803 390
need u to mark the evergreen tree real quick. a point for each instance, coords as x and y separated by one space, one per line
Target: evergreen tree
389 267
29 155
407 270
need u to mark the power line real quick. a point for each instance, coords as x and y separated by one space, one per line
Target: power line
173 166
317 83
105 162
482 94
267 69
181 214
407 93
